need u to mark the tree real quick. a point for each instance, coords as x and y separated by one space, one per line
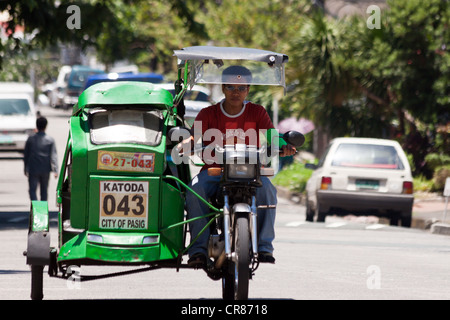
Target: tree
110 24
391 82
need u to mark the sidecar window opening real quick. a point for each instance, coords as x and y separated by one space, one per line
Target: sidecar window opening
125 125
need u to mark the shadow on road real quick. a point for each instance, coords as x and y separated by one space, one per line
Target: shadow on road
19 219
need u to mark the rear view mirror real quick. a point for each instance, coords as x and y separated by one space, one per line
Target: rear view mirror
178 134
294 138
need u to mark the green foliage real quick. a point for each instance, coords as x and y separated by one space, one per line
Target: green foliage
116 28
347 78
422 184
293 177
435 160
440 175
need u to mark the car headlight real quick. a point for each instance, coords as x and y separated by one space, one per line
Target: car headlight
241 171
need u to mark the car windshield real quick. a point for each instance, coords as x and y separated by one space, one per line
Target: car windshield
10 107
366 156
77 79
126 126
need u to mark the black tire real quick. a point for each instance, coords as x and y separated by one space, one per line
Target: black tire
321 215
406 220
37 281
236 281
394 218
309 211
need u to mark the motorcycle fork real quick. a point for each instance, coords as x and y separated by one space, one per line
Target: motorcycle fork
253 227
226 226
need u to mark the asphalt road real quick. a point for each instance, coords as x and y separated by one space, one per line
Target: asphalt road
339 259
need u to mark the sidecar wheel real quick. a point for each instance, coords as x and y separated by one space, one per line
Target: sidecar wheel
37 292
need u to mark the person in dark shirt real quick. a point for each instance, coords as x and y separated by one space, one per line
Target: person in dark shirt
40 159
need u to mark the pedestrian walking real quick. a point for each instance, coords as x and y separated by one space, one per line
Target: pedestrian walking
40 159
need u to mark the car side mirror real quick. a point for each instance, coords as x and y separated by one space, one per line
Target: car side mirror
294 138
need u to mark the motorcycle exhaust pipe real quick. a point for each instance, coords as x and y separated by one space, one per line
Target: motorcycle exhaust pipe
217 250
220 260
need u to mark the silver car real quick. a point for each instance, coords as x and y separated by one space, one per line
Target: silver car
361 176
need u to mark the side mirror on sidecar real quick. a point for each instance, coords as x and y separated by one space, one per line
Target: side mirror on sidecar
178 134
294 138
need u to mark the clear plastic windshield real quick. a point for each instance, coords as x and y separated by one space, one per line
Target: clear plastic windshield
126 126
208 64
236 71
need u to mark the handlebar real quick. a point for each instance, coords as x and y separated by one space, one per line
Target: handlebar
291 137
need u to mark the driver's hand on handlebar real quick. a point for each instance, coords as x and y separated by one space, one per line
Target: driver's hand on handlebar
186 146
287 150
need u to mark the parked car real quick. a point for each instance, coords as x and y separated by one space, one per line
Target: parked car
361 176
69 85
17 115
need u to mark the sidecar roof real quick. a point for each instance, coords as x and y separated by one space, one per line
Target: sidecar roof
229 53
206 64
123 93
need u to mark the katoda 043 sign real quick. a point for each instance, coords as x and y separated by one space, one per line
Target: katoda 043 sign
123 205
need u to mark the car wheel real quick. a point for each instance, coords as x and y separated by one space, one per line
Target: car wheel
393 218
321 215
405 219
309 211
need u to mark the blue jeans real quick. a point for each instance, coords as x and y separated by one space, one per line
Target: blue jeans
38 179
207 186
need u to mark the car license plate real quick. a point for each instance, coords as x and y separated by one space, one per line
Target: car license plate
6 139
367 184
123 205
126 161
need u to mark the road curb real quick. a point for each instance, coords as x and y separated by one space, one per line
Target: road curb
440 228
423 223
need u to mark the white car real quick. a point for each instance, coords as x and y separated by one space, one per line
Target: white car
195 99
17 115
361 176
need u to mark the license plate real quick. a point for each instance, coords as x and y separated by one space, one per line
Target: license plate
5 138
126 161
123 205
367 184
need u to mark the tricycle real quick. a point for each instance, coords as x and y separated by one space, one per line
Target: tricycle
122 186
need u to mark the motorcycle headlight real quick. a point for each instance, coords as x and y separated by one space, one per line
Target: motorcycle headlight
241 171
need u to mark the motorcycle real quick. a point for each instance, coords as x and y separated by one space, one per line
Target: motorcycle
121 195
234 238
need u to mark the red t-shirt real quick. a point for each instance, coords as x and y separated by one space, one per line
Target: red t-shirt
214 123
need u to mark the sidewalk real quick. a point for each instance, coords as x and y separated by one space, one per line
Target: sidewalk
428 213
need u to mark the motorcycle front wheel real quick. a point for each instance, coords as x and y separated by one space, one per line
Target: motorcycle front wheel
235 283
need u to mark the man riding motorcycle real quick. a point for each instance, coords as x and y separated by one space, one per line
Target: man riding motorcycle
239 121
